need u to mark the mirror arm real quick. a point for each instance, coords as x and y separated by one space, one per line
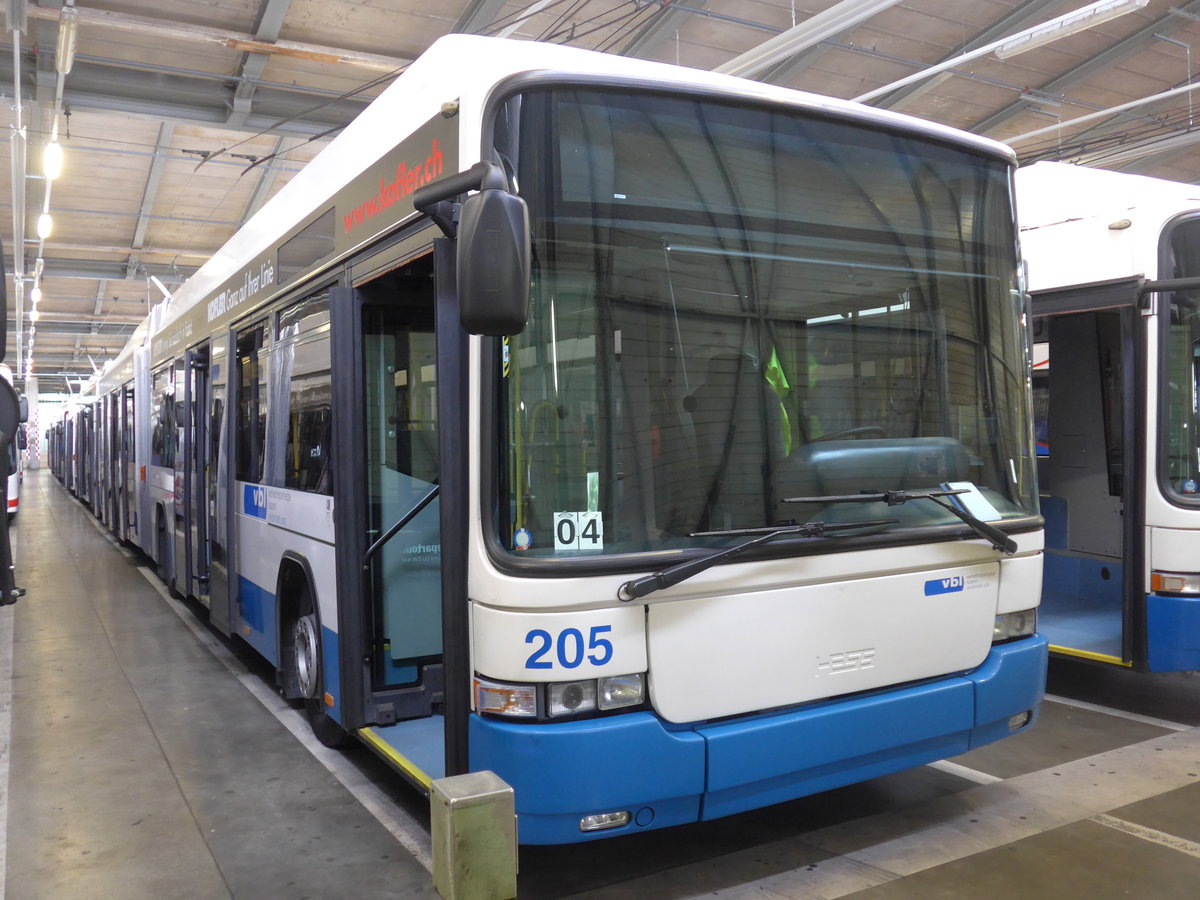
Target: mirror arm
433 199
445 215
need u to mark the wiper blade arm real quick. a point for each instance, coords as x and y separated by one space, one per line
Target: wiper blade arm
673 575
999 539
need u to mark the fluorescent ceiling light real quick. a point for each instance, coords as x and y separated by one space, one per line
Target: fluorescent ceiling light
52 160
1020 42
1071 23
64 52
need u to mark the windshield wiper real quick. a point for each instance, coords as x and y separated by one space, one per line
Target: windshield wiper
648 584
1000 540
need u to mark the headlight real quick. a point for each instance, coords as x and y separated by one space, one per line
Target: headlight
1174 583
560 699
618 691
1014 625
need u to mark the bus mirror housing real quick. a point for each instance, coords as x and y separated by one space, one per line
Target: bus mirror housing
22 440
23 402
492 230
493 263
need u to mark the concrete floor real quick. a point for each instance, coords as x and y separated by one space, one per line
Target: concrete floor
144 757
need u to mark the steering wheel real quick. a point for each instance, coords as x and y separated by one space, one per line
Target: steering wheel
860 431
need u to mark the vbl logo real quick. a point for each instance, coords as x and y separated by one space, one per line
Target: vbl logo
254 501
944 585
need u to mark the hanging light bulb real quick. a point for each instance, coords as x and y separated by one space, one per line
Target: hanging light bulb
45 226
52 160
34 315
35 295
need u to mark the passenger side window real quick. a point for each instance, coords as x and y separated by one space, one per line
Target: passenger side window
304 362
251 403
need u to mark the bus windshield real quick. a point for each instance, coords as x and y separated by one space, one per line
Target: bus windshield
737 306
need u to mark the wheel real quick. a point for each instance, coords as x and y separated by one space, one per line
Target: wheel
306 673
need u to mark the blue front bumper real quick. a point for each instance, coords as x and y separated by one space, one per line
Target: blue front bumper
668 775
1172 633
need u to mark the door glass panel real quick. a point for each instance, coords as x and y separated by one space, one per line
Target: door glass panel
400 441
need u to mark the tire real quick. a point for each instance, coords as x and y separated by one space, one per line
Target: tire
307 673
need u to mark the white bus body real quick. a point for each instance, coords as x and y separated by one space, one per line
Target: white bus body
742 295
1108 257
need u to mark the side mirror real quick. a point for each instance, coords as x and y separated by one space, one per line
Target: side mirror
23 407
493 247
493 263
22 440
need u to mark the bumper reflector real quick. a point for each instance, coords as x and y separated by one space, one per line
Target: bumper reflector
1020 720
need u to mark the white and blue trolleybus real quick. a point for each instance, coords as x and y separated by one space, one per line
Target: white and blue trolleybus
1114 273
658 440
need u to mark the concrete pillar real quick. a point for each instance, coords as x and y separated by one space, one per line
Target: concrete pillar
473 824
33 428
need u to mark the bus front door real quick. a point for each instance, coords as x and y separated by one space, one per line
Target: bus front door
387 508
217 486
1090 598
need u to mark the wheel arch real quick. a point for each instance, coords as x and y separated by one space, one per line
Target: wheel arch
295 573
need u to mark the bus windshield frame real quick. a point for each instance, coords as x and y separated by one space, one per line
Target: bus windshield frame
1178 432
738 304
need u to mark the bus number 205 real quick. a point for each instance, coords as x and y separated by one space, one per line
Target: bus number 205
569 648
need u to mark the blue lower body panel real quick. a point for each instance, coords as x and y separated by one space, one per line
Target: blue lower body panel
668 776
256 608
1173 633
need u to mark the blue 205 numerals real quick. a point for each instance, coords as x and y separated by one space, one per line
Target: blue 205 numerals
570 648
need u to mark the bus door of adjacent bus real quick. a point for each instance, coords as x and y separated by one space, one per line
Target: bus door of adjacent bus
129 471
112 503
1086 401
216 486
191 539
86 479
388 509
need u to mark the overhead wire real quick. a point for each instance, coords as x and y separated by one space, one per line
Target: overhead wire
574 34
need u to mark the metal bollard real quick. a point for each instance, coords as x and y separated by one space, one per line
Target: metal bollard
473 824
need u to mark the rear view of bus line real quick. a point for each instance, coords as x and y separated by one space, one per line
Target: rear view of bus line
683 468
1114 273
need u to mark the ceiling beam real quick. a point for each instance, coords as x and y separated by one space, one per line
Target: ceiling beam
159 29
1024 16
166 132
823 26
266 179
1107 60
126 250
112 271
267 25
665 23
478 15
198 98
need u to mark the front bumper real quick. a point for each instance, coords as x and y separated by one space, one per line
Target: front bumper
670 775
